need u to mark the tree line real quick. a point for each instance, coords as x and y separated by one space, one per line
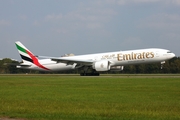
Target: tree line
170 66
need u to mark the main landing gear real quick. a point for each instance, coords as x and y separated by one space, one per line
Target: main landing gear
90 73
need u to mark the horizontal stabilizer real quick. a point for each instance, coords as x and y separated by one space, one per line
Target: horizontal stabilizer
25 65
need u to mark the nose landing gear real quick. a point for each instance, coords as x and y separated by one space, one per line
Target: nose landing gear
162 63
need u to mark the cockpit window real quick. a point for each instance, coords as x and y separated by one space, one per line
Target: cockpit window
168 51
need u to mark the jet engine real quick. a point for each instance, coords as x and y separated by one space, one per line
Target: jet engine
101 65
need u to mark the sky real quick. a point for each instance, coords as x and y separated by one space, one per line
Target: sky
57 27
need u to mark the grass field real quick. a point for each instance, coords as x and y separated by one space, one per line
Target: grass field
59 97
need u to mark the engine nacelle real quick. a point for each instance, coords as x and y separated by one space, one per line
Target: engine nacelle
101 65
116 68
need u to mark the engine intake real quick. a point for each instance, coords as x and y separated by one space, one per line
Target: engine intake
101 66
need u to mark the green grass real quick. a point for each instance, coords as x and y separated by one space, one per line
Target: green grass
90 98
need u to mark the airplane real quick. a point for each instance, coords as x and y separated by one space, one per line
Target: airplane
109 61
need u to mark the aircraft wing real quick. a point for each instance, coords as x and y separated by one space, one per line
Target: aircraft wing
70 60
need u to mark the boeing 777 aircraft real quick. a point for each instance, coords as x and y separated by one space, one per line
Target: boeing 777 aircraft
109 61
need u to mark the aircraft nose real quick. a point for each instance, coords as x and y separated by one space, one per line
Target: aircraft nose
170 55
173 55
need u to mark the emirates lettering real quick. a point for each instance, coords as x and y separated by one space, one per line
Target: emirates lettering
135 56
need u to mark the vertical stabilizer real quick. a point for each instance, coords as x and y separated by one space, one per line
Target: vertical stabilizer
27 56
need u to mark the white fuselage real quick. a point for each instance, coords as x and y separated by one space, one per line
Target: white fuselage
119 58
